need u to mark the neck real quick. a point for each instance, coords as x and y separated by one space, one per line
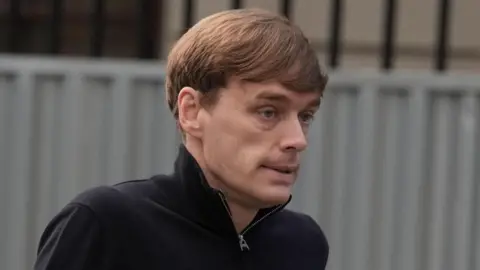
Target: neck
241 215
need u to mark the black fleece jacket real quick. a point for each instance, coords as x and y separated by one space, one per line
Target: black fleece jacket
174 222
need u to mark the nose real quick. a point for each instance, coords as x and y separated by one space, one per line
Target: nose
294 137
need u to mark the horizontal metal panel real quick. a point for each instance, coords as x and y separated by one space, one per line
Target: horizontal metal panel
391 172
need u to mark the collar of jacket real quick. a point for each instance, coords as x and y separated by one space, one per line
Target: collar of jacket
204 204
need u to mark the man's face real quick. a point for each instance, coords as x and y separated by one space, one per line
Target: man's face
252 138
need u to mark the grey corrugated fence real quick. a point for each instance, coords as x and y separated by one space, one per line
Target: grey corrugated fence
391 174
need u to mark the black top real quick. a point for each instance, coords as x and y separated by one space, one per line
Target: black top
175 222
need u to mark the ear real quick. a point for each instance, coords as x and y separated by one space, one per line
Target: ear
188 103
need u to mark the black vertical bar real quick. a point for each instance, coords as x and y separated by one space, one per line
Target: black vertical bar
335 32
389 23
97 28
148 27
443 32
287 8
188 15
236 4
56 26
15 26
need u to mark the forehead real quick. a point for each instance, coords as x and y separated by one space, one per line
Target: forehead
270 91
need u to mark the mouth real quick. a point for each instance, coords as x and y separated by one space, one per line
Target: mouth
283 169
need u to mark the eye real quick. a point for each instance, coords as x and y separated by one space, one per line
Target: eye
306 118
268 113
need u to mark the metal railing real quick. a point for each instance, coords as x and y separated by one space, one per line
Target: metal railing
146 23
148 41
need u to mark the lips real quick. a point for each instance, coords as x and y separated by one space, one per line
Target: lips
284 169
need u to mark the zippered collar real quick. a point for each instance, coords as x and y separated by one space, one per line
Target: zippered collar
206 205
261 215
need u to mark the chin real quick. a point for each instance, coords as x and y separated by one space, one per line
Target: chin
274 196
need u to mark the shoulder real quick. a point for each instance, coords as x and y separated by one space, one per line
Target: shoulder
303 224
73 218
128 196
301 228
115 199
303 236
95 221
72 237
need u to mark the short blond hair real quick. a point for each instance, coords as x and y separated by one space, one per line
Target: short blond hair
250 44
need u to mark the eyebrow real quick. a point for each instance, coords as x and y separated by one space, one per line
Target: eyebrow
273 97
276 97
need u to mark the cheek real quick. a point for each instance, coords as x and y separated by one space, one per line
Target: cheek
232 146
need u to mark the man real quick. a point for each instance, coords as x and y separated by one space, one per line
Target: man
244 86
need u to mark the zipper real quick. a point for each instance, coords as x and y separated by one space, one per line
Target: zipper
241 240
243 243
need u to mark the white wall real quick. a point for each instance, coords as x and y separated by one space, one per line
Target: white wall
362 29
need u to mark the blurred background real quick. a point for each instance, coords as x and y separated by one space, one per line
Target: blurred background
393 169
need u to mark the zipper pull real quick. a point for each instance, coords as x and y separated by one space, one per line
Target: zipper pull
243 243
